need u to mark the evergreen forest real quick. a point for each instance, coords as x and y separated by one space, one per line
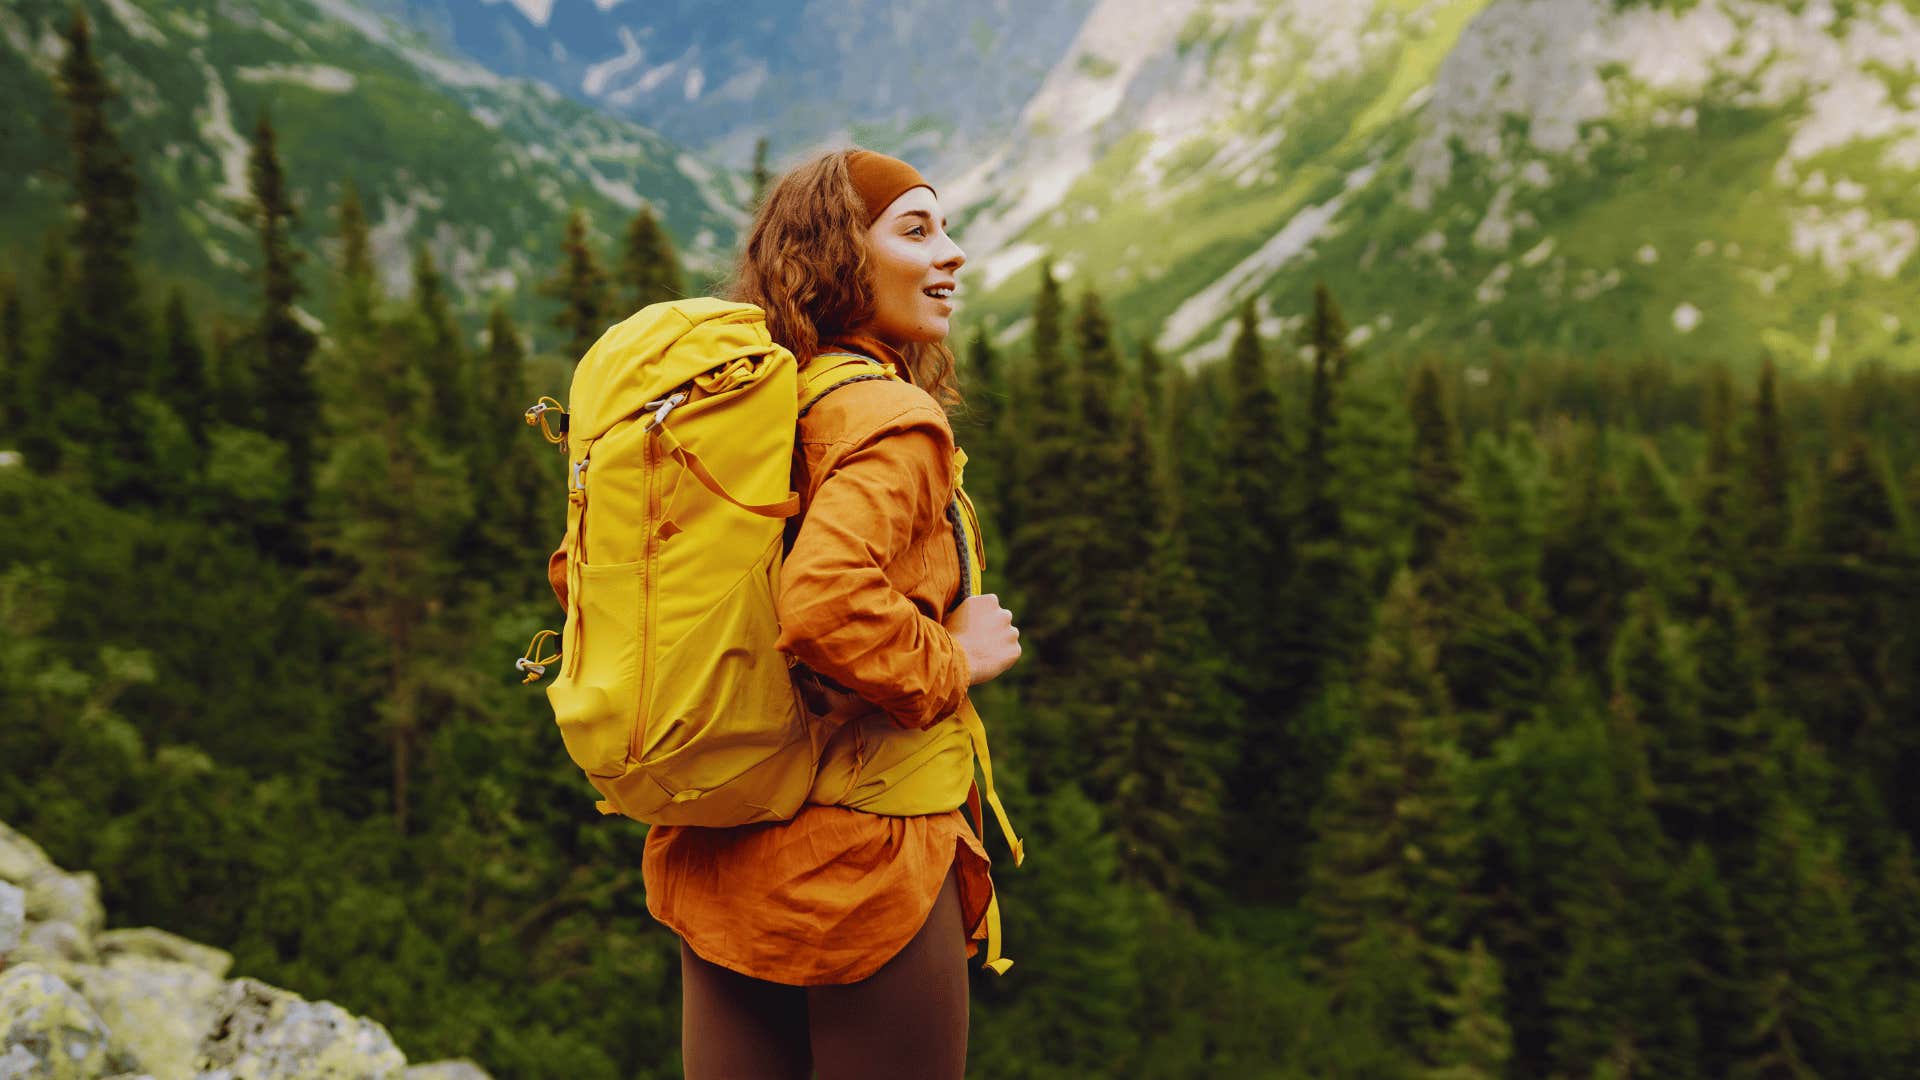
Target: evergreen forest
1385 714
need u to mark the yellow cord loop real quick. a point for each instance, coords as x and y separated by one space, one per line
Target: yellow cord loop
532 662
537 417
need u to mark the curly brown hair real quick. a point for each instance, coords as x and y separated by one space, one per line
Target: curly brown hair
805 264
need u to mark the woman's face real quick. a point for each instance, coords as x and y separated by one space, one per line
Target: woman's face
914 263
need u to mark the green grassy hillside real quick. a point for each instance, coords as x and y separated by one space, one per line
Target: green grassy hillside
480 168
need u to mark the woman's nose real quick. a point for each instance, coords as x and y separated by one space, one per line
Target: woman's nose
955 258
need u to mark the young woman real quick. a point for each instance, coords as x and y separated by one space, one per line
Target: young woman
835 944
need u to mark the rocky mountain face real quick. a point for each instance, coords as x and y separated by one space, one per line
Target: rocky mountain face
1720 177
909 76
481 168
1724 178
80 1001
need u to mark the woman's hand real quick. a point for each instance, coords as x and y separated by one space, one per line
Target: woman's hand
985 633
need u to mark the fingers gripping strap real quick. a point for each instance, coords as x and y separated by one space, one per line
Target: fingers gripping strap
690 461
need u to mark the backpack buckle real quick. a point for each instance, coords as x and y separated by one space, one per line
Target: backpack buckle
579 481
662 408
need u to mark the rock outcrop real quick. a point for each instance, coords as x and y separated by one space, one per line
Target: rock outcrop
80 1001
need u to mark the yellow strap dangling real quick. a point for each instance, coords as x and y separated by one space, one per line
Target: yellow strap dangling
532 662
977 731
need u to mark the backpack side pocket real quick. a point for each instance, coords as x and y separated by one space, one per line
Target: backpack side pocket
598 708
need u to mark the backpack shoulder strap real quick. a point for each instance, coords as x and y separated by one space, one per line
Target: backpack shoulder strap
828 372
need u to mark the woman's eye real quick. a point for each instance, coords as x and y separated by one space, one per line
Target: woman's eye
917 230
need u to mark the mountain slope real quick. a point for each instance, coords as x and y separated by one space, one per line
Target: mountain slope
480 167
909 76
1713 178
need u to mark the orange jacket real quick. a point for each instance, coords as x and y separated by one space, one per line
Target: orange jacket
874 567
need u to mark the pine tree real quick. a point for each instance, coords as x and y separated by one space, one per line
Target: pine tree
762 177
1392 858
389 503
1073 932
1250 557
1326 340
1612 994
1839 632
1709 939
1246 565
1328 600
1495 660
581 288
978 427
1713 541
1040 562
357 289
1582 925
651 268
1657 528
1162 744
100 341
1891 912
1795 972
1767 511
16 378
1477 1042
516 520
1586 567
283 380
443 357
180 379
1152 379
1442 513
1102 550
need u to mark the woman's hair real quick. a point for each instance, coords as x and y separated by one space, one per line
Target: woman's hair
806 264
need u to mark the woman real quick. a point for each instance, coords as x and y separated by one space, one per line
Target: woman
835 943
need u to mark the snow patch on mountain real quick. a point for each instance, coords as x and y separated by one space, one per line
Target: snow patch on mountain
1221 297
621 195
322 77
1560 66
1061 121
998 266
215 121
454 73
1852 239
136 22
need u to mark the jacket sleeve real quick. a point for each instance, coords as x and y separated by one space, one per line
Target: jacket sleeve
839 613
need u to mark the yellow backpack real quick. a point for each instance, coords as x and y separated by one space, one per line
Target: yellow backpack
670 694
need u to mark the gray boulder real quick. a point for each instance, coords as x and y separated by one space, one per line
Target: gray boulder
13 918
158 1012
155 944
49 1032
55 943
264 1033
20 858
52 895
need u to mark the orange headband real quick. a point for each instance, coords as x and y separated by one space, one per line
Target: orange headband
881 179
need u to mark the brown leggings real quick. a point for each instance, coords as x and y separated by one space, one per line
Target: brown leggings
909 1019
